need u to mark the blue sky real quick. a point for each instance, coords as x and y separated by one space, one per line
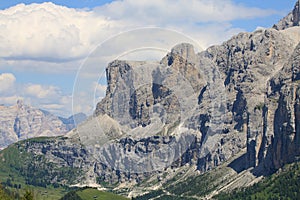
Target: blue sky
280 5
275 4
283 6
66 36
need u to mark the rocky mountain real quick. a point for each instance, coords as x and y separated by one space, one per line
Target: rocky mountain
21 122
72 121
220 118
292 19
213 101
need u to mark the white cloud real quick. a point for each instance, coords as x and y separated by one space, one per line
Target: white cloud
9 100
62 106
99 91
179 11
52 33
83 102
42 92
53 106
37 66
7 82
47 97
48 32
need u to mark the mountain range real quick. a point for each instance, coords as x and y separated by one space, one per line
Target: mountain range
21 121
189 126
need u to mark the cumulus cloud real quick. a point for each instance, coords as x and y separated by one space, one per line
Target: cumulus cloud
48 32
40 66
100 91
42 92
7 82
179 11
47 97
53 33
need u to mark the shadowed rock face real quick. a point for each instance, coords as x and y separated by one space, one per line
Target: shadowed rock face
292 19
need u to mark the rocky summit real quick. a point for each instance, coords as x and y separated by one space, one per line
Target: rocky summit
292 19
231 112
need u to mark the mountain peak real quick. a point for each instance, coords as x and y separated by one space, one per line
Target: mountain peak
292 19
22 121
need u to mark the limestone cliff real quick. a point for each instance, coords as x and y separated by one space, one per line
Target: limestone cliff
279 142
216 96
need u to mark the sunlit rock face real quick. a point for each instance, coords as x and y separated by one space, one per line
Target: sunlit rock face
21 122
292 19
217 96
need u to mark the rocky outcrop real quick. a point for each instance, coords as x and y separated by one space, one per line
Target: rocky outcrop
21 122
168 98
292 19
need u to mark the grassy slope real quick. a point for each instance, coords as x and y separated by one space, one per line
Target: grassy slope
13 170
90 193
282 185
187 188
4 195
17 167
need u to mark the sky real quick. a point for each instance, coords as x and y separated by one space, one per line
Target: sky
45 46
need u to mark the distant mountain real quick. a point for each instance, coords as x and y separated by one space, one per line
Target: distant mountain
73 120
190 125
21 122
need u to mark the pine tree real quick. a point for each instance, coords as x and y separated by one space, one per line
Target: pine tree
28 195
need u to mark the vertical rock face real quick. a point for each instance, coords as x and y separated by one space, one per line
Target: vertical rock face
292 19
21 122
139 91
247 62
281 121
127 96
